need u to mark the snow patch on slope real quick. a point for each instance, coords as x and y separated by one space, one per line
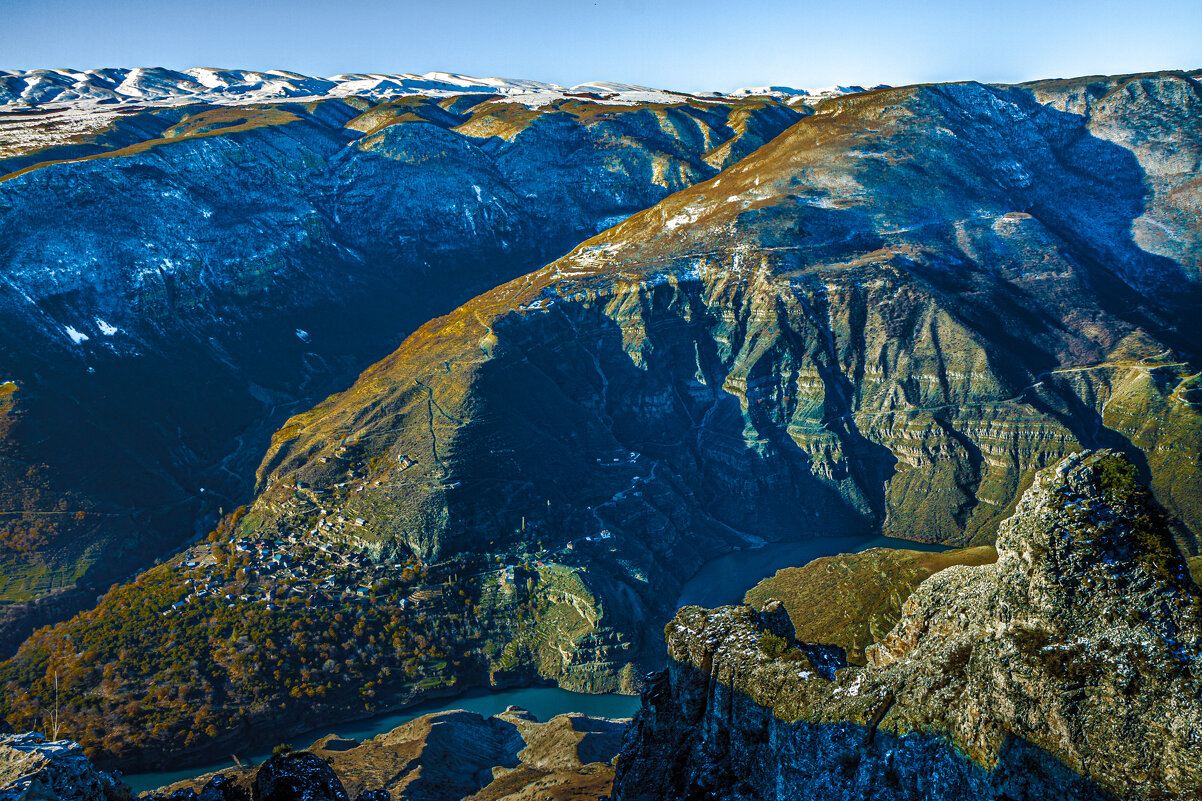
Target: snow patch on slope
76 336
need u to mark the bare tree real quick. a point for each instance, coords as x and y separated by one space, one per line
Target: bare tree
55 725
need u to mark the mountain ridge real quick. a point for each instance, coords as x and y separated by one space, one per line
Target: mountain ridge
623 258
27 90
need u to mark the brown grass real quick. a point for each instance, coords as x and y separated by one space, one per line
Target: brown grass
217 122
852 600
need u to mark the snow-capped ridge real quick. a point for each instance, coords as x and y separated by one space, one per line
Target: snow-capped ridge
85 90
792 94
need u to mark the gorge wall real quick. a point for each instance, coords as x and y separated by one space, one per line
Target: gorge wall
176 279
890 316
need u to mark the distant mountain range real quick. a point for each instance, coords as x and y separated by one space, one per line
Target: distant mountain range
33 89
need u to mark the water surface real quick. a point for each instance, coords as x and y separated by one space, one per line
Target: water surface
726 579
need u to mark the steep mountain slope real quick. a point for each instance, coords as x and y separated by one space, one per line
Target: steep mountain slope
1069 669
891 315
176 277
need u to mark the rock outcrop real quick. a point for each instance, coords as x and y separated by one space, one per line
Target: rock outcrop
35 769
1071 668
297 777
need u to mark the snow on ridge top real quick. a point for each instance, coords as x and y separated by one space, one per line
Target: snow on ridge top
610 86
505 83
157 86
112 88
767 90
809 95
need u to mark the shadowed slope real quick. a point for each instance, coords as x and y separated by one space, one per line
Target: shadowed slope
175 281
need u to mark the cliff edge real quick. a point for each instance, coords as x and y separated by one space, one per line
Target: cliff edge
33 768
1068 669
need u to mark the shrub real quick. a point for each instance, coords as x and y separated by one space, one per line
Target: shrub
1117 476
773 646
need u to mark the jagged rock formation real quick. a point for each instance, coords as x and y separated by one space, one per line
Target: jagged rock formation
34 769
1068 669
297 777
447 757
175 279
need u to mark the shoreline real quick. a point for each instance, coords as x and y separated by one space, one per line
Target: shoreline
546 700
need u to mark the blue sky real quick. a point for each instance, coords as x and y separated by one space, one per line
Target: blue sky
701 44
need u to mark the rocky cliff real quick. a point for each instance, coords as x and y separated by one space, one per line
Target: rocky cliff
178 277
1068 669
34 769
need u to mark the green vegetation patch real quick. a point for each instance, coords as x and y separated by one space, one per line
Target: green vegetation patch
1117 476
853 600
775 647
